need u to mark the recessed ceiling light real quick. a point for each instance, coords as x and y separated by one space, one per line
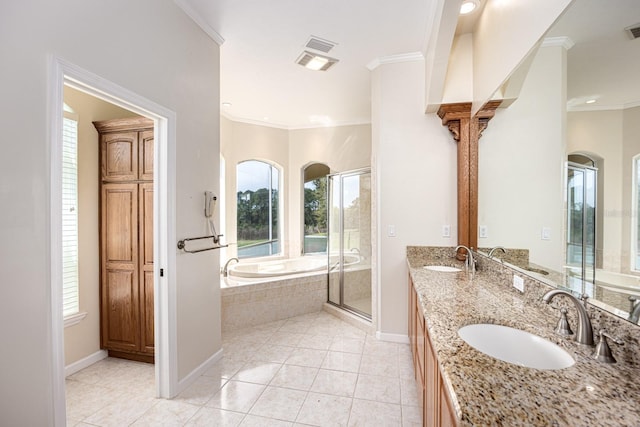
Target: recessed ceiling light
226 104
591 101
468 6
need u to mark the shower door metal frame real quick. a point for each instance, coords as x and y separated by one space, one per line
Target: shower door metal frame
341 176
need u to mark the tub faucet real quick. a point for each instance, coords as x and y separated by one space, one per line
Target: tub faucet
634 313
469 263
225 270
504 251
584 334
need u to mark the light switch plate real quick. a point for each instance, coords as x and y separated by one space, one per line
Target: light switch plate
483 232
391 231
518 283
546 233
446 231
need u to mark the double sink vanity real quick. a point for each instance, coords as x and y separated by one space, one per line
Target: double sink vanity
486 353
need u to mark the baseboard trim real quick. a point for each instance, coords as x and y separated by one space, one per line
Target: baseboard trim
184 383
399 338
83 363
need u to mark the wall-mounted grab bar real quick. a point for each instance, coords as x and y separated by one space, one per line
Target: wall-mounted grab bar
182 244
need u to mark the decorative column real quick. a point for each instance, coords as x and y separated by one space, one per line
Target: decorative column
466 131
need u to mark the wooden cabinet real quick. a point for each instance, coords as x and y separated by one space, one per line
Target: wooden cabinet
434 398
126 238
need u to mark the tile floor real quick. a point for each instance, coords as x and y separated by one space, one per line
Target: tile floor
311 370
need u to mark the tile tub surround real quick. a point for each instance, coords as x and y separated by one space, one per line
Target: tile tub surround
486 391
251 303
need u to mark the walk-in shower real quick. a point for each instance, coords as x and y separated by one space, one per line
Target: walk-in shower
350 234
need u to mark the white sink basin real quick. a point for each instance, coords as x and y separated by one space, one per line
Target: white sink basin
443 268
515 346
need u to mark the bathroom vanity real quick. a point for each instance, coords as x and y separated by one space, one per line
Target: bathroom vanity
461 386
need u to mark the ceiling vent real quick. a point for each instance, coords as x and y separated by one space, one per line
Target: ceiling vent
634 31
315 62
316 43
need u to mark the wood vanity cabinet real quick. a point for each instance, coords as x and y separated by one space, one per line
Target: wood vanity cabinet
432 393
126 238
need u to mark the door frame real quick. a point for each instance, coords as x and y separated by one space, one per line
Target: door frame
62 72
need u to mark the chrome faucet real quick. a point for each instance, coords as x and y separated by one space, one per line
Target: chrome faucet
584 334
225 270
469 263
504 251
634 313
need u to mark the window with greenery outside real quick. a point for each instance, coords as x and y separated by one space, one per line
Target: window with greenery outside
257 209
315 208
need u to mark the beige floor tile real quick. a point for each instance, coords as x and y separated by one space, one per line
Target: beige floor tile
201 390
318 342
367 413
347 345
123 411
273 353
256 421
378 365
338 361
225 368
210 417
257 372
306 357
296 377
336 383
290 339
380 389
236 396
409 392
411 416
325 410
167 413
279 403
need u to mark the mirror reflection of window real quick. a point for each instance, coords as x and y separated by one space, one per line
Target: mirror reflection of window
315 208
635 210
258 200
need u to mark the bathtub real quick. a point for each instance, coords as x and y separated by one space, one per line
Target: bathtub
255 293
287 267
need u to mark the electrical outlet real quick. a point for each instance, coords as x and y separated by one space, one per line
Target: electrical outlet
446 231
483 232
518 283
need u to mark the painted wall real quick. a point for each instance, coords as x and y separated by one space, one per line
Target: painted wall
153 49
342 148
601 133
414 171
83 339
521 164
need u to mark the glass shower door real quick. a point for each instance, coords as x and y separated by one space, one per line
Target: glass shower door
581 227
350 241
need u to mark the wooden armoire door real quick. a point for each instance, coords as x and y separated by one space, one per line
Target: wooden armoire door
127 302
119 281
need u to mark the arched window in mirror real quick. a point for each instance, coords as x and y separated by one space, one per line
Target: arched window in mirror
315 208
635 262
258 201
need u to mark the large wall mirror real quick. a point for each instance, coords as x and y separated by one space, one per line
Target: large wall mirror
558 168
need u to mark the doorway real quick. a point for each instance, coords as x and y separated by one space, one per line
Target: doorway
350 241
64 73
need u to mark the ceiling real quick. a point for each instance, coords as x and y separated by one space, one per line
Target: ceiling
262 40
604 62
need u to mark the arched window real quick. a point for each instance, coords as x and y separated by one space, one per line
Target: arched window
315 208
258 201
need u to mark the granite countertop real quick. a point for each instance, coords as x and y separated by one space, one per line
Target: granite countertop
487 391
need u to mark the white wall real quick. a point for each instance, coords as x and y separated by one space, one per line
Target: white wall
521 164
151 48
83 339
414 171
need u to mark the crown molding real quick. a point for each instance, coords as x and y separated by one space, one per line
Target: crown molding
393 59
562 41
200 22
